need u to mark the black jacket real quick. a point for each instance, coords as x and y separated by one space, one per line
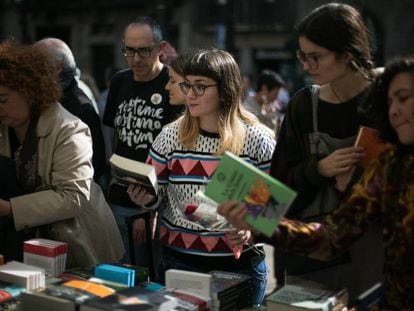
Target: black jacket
77 103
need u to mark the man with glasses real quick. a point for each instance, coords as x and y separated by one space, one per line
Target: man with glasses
137 108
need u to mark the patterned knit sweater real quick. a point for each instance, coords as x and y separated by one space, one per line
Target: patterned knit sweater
181 173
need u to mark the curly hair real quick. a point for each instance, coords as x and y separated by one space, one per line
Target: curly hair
379 96
27 70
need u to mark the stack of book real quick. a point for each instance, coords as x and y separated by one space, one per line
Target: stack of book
26 276
230 291
47 254
115 274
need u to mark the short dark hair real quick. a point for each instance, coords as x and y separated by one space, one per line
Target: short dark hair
339 28
269 78
152 23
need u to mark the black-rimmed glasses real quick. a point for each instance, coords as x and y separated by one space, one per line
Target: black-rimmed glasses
198 88
312 59
142 52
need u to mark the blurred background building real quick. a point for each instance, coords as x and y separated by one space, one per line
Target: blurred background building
260 33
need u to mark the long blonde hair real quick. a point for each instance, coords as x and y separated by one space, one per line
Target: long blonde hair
220 66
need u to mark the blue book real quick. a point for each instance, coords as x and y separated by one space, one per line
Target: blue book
116 274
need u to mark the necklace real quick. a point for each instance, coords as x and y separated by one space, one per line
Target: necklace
335 94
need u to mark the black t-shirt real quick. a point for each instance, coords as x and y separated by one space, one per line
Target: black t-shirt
138 111
340 120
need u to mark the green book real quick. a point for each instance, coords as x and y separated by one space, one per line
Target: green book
266 198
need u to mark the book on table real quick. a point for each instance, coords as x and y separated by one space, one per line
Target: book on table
369 139
133 298
230 290
224 283
266 198
193 282
67 296
126 171
300 294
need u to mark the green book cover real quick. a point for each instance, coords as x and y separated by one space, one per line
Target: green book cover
266 198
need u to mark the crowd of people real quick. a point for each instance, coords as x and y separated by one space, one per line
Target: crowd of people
348 227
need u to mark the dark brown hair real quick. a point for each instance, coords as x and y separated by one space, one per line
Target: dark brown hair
340 28
379 95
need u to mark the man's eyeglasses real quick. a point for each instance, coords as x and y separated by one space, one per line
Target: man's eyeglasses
142 52
198 88
312 59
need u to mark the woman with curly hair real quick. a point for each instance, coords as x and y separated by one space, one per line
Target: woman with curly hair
385 193
52 152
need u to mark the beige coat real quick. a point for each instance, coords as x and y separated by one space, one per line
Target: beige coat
68 198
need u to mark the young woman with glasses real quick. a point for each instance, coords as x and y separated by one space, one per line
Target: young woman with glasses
186 154
315 153
384 193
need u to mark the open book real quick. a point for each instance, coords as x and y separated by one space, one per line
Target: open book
266 198
368 138
127 171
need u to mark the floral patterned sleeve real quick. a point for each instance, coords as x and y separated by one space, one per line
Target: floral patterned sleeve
340 229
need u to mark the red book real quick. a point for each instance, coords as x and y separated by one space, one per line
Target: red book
368 138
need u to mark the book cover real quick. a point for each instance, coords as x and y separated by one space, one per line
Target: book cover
77 273
127 171
368 138
116 274
96 289
188 301
44 302
76 295
193 282
306 295
266 198
133 298
225 282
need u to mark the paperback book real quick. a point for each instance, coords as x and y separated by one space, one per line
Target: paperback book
126 171
266 199
368 138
